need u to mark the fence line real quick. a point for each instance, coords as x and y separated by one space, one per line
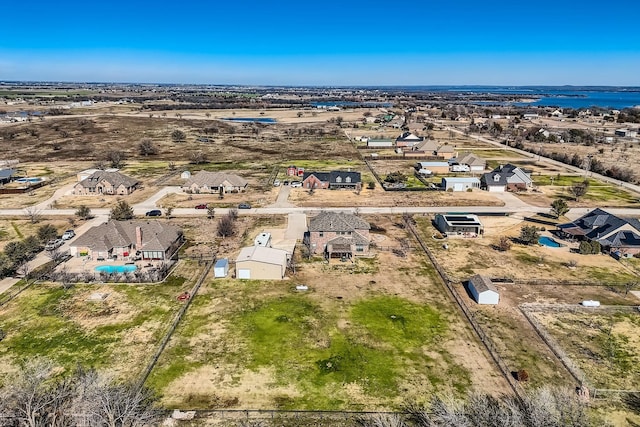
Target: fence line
484 338
165 340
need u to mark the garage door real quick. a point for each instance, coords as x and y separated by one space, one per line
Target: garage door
458 187
244 273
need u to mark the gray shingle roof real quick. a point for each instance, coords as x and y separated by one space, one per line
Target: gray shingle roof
471 160
599 223
482 284
337 221
114 178
156 236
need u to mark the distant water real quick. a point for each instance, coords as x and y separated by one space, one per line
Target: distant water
250 119
370 104
549 96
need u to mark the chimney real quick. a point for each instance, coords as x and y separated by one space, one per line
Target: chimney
138 238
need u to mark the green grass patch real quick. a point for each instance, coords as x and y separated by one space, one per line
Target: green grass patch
17 230
492 154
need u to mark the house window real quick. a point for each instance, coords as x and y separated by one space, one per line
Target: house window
338 179
347 179
321 234
359 248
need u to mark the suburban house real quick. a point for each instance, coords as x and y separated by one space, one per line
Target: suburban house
428 168
459 184
475 163
408 139
483 290
333 180
428 146
618 236
215 182
459 225
261 263
506 178
106 182
148 240
337 234
446 151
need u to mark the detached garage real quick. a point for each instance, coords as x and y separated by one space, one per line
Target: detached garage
483 290
261 263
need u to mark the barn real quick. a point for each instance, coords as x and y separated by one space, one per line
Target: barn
261 263
483 290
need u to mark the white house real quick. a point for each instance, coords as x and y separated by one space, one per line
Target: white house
483 290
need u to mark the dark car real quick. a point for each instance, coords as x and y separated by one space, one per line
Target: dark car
244 206
154 212
201 206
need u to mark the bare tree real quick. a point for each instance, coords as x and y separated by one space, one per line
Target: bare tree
178 136
83 212
168 211
226 226
579 189
210 211
197 157
33 213
115 158
147 147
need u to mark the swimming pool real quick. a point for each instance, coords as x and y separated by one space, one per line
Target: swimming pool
32 180
113 269
548 241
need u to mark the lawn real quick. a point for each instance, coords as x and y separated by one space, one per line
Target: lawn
117 334
606 346
365 336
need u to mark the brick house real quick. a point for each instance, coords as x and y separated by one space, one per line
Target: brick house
336 234
332 180
106 182
215 182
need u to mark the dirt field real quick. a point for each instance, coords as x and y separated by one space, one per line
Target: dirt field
606 346
213 360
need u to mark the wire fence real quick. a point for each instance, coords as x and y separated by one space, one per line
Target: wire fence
484 338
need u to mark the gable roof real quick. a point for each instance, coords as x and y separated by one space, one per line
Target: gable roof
355 177
156 235
482 284
116 179
600 224
471 159
506 174
408 136
446 148
337 221
215 179
426 145
322 176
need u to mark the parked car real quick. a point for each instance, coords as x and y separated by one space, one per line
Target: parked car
244 206
285 183
69 234
276 183
53 244
154 212
201 206
296 184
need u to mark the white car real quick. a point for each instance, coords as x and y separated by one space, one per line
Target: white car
69 234
53 244
296 184
276 183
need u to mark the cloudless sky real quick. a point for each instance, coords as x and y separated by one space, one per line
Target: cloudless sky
330 42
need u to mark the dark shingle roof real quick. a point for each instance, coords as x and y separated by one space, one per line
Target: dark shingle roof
599 223
337 221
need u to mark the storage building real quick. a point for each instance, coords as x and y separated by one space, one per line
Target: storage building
483 290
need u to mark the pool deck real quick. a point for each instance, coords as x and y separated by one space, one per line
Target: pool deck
84 264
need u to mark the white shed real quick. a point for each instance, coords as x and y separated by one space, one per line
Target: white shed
185 175
483 290
221 268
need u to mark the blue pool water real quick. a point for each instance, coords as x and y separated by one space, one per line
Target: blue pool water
28 179
111 269
250 119
548 241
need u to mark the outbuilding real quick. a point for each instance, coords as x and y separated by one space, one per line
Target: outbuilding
261 263
221 268
460 183
483 290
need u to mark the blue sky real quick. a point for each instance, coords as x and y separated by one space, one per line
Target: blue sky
326 42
